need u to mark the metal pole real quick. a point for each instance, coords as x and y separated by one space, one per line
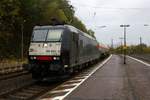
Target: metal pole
121 44
112 46
141 44
22 26
22 39
125 47
124 44
112 43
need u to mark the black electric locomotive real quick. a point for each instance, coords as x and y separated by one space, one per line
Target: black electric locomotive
59 49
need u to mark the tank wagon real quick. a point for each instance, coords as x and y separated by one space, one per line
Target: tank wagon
55 50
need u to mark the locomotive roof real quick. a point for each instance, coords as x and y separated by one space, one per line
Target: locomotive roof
71 28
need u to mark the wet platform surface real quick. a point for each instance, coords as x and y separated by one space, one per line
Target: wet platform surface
116 81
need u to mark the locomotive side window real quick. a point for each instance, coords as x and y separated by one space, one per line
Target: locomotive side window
54 35
75 37
81 44
39 35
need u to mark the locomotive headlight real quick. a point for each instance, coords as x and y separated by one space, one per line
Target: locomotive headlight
65 66
58 58
34 57
31 58
45 45
54 58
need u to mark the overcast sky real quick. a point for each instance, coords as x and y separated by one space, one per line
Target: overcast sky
112 13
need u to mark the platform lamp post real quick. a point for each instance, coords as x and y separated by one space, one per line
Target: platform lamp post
125 26
22 32
121 44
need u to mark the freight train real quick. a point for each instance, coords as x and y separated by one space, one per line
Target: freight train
59 49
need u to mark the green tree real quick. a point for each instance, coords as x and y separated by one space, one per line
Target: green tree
92 33
27 13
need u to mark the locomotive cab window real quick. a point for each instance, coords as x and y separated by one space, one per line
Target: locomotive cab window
39 35
47 35
54 35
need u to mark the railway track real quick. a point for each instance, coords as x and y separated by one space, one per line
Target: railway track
142 57
29 92
37 89
12 75
14 80
10 69
32 90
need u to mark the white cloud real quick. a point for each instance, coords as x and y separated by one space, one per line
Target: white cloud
112 13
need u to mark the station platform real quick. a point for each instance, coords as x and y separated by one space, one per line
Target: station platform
116 81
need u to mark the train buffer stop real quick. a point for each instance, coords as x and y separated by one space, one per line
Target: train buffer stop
111 81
